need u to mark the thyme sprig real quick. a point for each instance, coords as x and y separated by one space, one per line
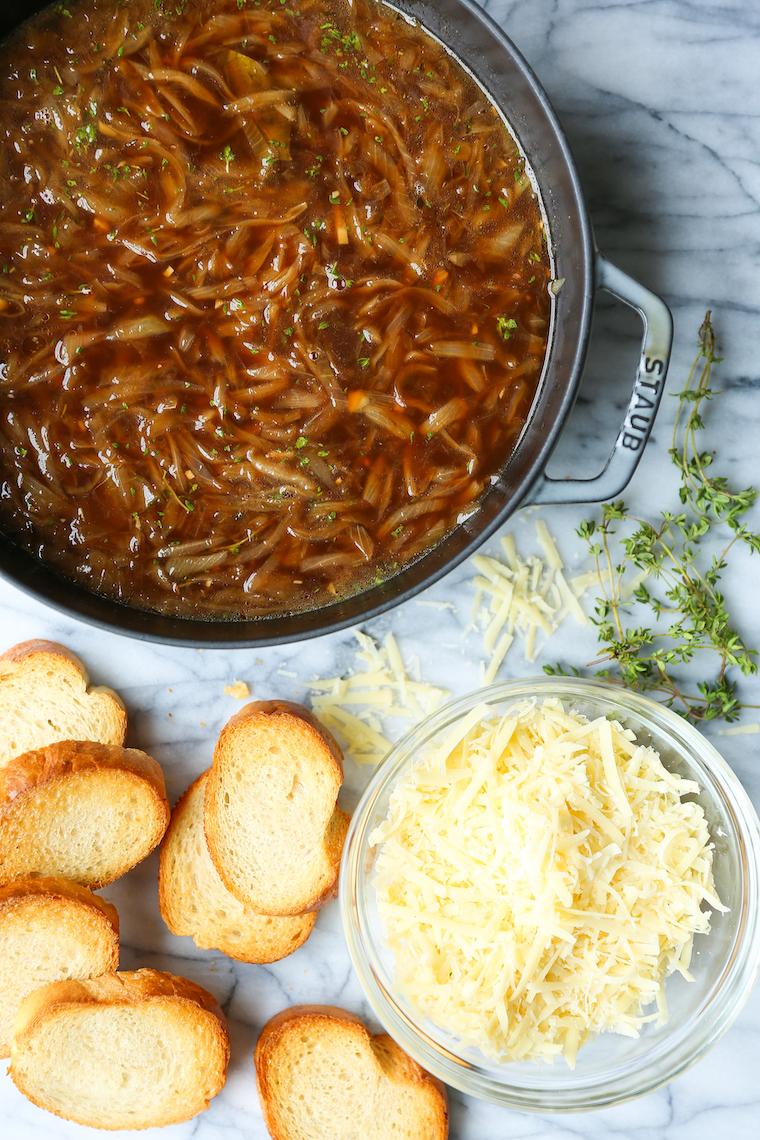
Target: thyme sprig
690 616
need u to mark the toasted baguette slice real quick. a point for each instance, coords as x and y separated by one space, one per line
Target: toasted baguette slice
86 811
50 929
131 1050
321 1074
194 900
44 697
273 830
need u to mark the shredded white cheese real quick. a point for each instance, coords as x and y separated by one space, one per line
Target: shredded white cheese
383 690
525 598
538 876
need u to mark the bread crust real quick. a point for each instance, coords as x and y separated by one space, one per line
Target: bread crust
24 649
279 717
67 758
269 939
28 657
123 989
127 987
54 886
301 1013
282 1035
25 776
292 708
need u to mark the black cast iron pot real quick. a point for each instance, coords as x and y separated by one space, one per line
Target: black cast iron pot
485 51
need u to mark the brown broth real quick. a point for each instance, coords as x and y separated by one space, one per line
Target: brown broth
266 329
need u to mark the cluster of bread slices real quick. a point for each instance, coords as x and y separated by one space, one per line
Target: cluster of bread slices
250 854
77 811
254 844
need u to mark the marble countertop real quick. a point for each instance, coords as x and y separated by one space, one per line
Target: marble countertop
659 100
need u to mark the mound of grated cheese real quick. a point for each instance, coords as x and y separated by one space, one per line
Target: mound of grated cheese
538 876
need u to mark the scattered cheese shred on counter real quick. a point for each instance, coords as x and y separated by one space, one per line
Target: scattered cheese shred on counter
383 690
538 876
525 597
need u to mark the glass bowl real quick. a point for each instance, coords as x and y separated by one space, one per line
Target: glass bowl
612 1068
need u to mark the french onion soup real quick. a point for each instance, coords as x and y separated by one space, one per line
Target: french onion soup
274 302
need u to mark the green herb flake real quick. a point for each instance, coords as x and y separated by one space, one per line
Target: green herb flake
686 620
85 136
505 325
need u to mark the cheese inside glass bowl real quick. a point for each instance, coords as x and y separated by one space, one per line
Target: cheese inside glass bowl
712 974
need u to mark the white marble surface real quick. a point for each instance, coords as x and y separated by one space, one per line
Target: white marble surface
659 99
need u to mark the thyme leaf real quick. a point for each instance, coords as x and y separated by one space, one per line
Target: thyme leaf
687 617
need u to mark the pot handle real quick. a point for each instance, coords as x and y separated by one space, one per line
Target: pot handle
645 398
